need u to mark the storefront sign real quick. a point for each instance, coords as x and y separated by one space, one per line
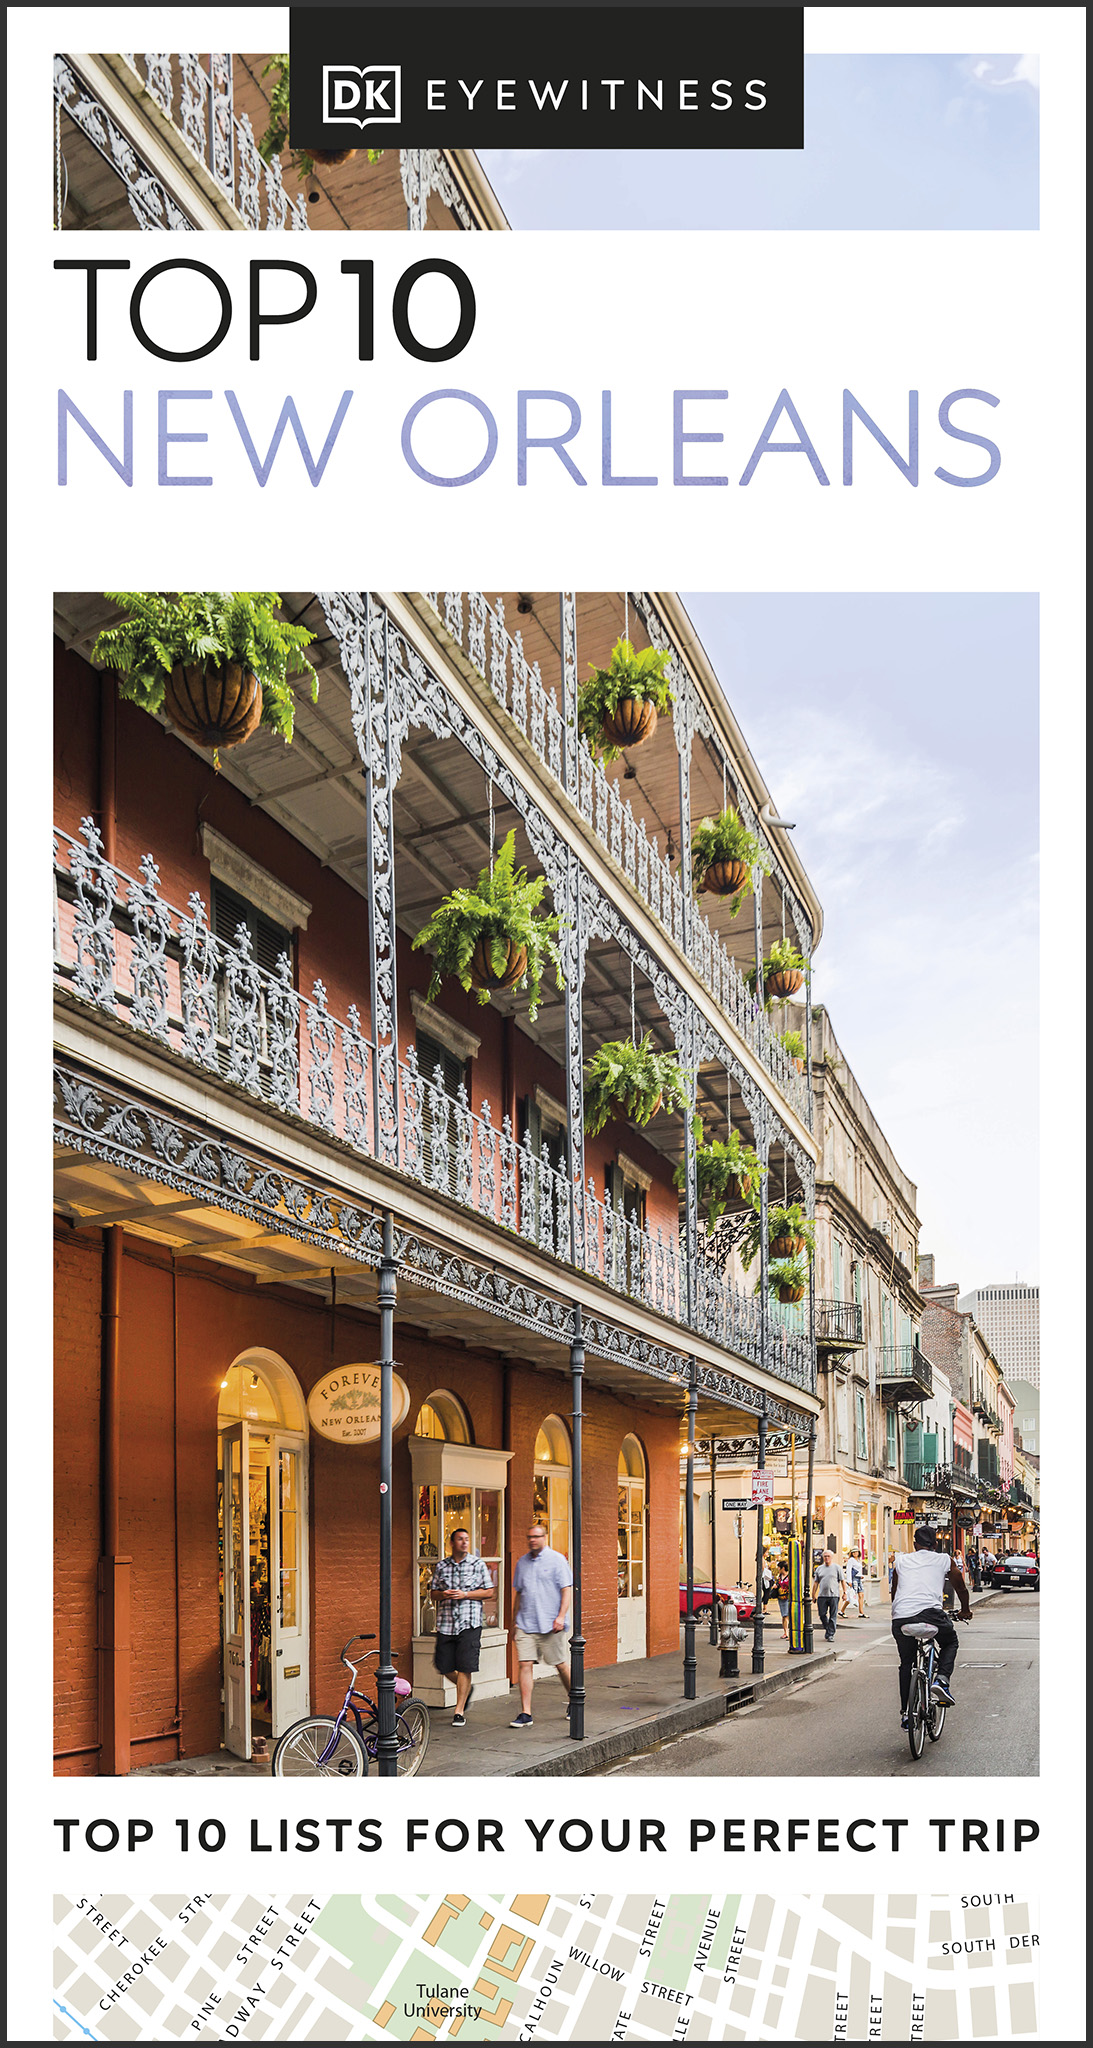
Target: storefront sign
904 1515
345 1404
777 1466
762 1486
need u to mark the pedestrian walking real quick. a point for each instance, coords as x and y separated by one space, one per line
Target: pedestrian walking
853 1585
825 1592
782 1590
543 1585
458 1584
770 1582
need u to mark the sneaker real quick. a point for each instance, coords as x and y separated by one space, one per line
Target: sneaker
459 1720
567 1712
521 1721
940 1691
905 1720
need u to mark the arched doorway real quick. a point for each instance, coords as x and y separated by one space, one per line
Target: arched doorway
632 1549
263 1458
552 1494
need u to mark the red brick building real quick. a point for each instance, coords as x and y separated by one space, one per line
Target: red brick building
251 1087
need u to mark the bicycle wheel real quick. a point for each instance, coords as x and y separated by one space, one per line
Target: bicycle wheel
935 1719
300 1749
916 1713
414 1728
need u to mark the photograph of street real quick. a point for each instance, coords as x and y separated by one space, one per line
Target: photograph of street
521 1091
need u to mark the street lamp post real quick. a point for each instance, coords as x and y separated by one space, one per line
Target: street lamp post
387 1741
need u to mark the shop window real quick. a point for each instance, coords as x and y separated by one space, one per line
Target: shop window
439 1067
455 1487
552 1491
444 1418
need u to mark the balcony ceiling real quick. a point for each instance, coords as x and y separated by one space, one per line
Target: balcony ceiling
90 1195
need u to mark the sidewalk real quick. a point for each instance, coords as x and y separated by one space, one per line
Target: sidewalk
629 1708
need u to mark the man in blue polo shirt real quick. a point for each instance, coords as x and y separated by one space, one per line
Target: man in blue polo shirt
543 1585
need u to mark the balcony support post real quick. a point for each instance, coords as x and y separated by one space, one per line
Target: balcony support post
387 1742
690 1661
577 1642
574 941
757 1656
567 640
807 1634
715 1618
378 742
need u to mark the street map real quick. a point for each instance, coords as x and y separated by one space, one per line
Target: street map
545 1966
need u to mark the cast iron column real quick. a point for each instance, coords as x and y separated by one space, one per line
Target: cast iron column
808 1537
715 1622
760 1514
387 1744
690 1661
576 1646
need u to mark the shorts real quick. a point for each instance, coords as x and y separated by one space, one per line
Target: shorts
552 1648
458 1653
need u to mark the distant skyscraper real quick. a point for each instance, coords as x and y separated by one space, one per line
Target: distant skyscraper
1009 1317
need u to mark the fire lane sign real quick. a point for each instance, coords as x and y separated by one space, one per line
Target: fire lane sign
762 1486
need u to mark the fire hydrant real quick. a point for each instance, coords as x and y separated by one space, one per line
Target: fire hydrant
732 1635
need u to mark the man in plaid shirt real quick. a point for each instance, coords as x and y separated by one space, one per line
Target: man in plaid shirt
458 1584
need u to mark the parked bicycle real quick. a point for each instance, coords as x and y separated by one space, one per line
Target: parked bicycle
326 1746
925 1714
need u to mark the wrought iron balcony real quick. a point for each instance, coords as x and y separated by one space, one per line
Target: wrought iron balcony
926 1478
198 102
479 629
120 947
905 1371
839 1325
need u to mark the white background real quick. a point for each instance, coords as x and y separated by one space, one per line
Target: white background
751 312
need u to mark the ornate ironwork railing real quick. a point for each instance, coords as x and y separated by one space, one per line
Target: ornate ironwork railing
905 1366
195 94
121 947
839 1322
479 629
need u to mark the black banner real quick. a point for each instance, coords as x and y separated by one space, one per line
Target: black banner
547 77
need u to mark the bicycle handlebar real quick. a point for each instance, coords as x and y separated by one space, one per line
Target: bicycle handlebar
369 1638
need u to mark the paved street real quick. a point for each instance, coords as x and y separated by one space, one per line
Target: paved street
845 1721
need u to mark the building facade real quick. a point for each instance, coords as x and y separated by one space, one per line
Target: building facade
1009 1317
981 1484
264 1130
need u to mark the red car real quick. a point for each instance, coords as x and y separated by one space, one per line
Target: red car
744 1603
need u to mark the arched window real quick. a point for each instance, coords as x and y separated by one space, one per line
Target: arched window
551 1499
263 1458
260 1389
444 1418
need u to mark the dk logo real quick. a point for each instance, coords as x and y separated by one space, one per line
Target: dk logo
368 96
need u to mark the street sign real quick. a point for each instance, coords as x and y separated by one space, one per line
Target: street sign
762 1486
735 1507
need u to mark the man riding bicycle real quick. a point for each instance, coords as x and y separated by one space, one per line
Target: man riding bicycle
918 1589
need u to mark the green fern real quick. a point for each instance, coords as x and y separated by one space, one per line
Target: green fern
634 1078
726 838
629 675
783 958
723 1167
503 911
206 627
783 1220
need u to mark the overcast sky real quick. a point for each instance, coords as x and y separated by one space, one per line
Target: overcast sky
890 142
900 733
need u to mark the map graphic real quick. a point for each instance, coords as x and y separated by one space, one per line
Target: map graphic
532 1966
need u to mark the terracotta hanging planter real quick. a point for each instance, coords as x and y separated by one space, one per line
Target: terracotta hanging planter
786 1247
786 1295
739 1191
725 877
780 982
218 706
483 974
633 721
331 157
